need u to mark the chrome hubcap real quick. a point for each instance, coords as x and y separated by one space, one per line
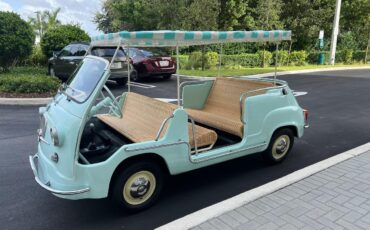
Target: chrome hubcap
139 187
281 146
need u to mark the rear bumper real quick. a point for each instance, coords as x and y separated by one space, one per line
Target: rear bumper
47 184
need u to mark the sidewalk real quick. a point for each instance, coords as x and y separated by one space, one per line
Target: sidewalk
331 194
335 198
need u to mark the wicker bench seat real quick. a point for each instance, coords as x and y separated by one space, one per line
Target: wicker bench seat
142 117
222 107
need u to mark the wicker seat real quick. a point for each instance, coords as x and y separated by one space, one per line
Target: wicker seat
142 117
222 108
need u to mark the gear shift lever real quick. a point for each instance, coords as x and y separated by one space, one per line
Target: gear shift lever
92 145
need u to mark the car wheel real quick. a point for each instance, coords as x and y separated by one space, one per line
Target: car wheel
122 81
167 76
134 76
138 186
280 145
52 71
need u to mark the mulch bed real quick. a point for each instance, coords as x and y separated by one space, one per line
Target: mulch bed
26 95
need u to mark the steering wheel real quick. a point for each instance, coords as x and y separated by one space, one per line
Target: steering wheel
114 105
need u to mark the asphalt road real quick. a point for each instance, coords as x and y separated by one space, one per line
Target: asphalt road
339 105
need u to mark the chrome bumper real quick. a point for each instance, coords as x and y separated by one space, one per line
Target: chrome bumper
47 185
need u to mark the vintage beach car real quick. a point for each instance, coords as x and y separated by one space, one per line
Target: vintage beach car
94 145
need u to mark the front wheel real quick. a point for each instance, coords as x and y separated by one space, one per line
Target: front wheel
280 145
138 186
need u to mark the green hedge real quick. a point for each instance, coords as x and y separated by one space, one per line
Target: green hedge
341 56
27 83
252 60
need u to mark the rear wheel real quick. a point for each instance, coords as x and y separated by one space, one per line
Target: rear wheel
167 76
51 71
134 76
138 186
121 81
280 145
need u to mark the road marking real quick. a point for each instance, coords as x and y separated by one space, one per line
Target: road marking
140 85
297 93
198 217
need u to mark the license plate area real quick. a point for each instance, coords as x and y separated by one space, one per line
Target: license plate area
116 65
164 63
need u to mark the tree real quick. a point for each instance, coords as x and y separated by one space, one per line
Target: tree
59 37
234 14
306 19
267 14
44 20
16 39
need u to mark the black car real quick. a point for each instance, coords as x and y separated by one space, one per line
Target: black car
64 62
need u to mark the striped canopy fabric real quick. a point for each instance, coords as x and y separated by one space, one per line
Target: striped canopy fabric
187 38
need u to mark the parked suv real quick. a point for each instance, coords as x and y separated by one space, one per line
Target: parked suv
64 62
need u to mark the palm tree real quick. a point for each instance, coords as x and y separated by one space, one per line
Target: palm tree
44 20
52 20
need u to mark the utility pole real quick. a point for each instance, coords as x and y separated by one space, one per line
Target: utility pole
333 45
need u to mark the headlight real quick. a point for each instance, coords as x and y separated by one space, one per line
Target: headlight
43 125
54 136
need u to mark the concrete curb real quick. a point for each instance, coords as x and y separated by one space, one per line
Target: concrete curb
198 217
25 101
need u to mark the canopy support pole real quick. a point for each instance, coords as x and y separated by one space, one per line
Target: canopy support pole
276 62
177 74
115 54
220 59
128 69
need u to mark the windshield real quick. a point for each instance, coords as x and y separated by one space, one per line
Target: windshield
107 52
85 78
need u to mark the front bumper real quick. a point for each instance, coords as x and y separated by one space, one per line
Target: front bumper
46 185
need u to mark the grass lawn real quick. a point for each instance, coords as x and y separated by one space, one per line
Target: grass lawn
252 71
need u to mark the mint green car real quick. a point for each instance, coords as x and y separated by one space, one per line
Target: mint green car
94 145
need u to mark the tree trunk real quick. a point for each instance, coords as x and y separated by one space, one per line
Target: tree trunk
203 58
290 50
367 49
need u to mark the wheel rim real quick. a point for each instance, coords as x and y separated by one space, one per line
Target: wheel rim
52 73
281 147
139 187
134 76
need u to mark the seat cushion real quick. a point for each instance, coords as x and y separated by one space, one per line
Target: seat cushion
222 108
143 116
221 121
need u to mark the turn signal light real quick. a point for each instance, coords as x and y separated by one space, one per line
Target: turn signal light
305 116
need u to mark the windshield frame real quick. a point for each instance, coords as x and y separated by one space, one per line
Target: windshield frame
66 86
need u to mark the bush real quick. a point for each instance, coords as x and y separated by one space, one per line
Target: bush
298 57
265 58
16 39
251 60
183 61
28 84
195 60
37 58
58 37
283 57
347 56
211 59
